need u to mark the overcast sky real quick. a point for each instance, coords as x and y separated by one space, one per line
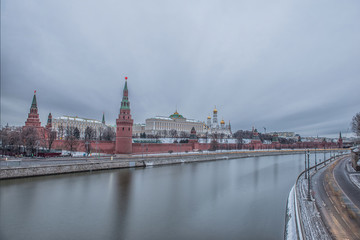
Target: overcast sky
284 65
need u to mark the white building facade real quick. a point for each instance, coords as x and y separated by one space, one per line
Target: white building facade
158 125
62 123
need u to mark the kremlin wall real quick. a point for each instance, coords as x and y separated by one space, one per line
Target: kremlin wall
124 131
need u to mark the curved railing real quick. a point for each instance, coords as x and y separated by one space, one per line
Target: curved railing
299 224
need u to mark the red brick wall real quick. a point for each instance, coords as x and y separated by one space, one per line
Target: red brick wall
161 148
109 146
100 146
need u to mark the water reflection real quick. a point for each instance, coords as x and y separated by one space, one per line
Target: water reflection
121 186
241 198
256 172
276 168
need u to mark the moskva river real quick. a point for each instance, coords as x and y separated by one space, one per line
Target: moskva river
230 199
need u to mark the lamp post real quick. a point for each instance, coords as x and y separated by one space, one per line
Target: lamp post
315 160
308 194
305 166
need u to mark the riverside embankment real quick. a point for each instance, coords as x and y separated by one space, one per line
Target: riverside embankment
303 219
72 165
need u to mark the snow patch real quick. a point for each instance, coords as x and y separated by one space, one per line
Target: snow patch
355 178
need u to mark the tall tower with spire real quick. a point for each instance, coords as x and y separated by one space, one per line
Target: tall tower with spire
340 141
103 118
49 122
124 124
33 119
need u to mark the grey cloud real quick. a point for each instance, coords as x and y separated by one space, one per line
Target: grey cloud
285 65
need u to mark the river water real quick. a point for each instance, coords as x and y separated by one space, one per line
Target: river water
230 199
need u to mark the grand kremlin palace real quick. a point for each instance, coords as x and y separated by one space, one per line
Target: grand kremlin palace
176 121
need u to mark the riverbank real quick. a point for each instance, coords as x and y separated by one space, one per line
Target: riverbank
52 166
303 218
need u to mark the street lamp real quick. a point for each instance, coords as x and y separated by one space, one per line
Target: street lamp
308 194
315 160
305 166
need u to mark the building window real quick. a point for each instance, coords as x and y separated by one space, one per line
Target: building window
123 129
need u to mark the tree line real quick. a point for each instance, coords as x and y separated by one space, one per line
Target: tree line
29 140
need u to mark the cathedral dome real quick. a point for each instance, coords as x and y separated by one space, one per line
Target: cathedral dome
208 117
222 122
215 110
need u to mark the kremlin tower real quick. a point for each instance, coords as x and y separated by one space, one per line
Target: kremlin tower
340 141
33 119
49 122
124 124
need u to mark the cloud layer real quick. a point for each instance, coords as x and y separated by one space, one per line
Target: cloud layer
286 66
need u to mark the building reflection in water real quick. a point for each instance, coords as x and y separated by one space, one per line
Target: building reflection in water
121 182
256 172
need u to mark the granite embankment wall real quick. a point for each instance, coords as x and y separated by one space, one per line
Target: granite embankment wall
131 161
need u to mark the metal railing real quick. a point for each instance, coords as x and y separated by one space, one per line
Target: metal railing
299 225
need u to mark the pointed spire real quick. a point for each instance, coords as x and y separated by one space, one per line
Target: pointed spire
125 87
49 119
340 135
34 103
125 104
103 118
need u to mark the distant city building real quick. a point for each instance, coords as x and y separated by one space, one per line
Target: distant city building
165 126
138 128
62 123
284 134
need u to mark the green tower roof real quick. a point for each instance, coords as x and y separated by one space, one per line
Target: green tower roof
125 104
34 104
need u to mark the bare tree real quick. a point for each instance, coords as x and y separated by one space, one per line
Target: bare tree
60 132
4 132
30 139
76 133
109 134
70 139
173 133
239 140
89 135
51 136
184 134
214 142
101 133
15 140
157 135
355 124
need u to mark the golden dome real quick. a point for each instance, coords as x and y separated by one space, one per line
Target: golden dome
222 122
209 117
215 110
